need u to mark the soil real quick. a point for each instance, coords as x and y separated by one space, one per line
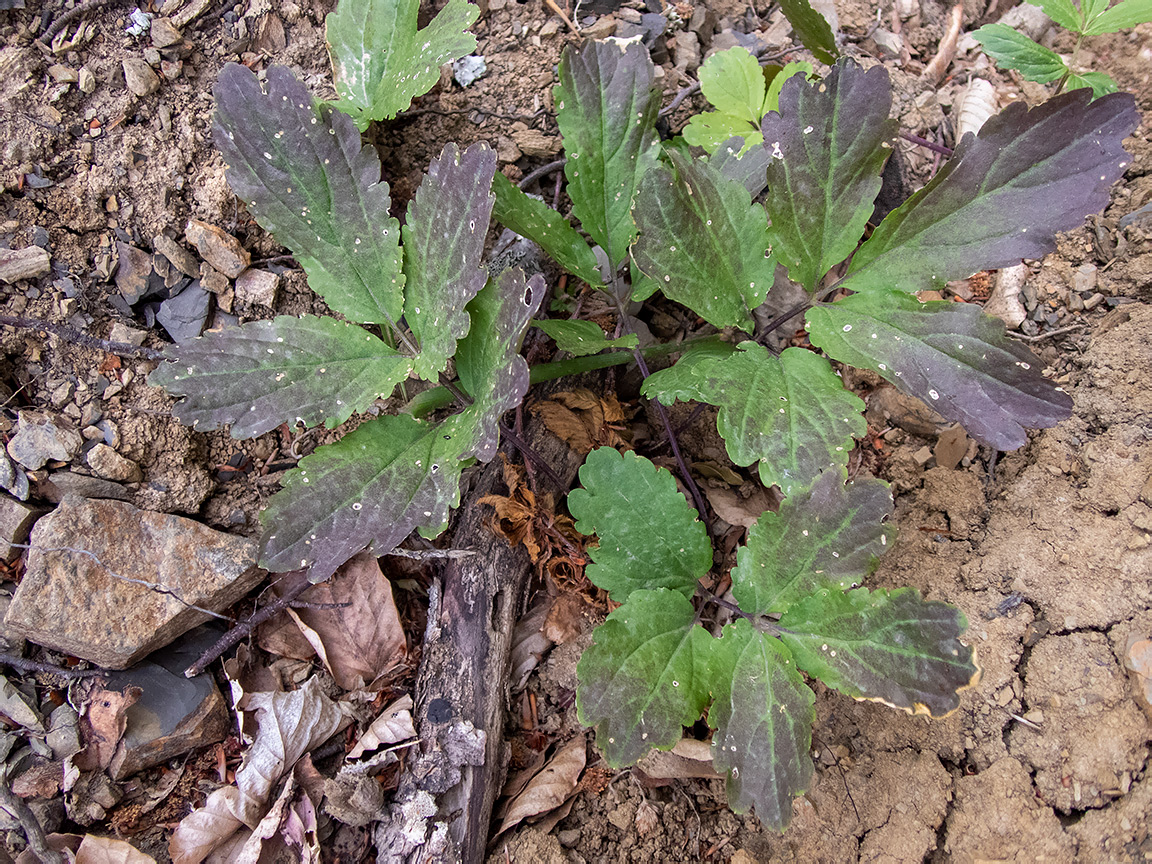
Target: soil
1048 551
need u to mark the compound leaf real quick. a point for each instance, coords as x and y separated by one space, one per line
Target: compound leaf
763 714
1013 50
733 82
264 373
829 143
951 355
532 218
1099 83
645 677
703 241
581 338
606 106
306 179
810 27
1127 13
790 412
1063 12
649 536
394 474
829 536
885 646
380 61
1003 195
443 246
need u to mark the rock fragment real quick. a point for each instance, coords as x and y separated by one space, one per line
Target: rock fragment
16 520
132 273
30 262
177 255
257 286
110 465
140 78
165 33
218 248
42 437
185 315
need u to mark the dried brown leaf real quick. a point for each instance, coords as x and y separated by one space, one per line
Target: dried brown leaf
565 619
555 783
394 724
647 819
107 850
529 644
735 509
565 424
206 829
103 723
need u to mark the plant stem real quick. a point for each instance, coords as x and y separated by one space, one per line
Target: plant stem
929 145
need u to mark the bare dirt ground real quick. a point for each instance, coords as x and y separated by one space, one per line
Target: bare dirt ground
1048 552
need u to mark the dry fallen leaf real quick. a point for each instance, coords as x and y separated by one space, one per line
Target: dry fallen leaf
102 723
736 510
529 644
107 850
394 724
204 830
565 619
555 783
583 420
647 819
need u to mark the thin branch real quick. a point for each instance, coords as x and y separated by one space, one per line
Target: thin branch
1059 331
120 349
47 668
68 17
946 50
542 171
33 830
925 143
425 554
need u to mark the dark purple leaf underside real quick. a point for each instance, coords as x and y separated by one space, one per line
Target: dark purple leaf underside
307 180
951 355
1003 195
443 247
827 147
749 170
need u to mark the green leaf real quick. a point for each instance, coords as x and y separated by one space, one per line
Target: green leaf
307 180
763 714
1127 13
1099 83
790 412
829 536
645 677
951 355
712 129
829 143
703 241
649 536
885 646
264 373
747 166
733 82
606 106
1013 50
786 74
532 218
1003 195
395 474
1065 13
811 29
581 338
443 247
380 61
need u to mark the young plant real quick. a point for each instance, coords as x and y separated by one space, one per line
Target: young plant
306 179
1014 50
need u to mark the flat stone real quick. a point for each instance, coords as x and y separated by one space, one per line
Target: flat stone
41 437
257 286
13 477
30 262
62 74
140 78
87 80
128 335
132 273
70 602
110 465
218 248
16 520
212 279
64 483
533 142
165 33
177 255
184 315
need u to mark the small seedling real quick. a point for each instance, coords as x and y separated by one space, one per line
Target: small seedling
1014 50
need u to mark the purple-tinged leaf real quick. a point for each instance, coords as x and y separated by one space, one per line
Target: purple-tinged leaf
951 355
264 373
828 145
790 412
307 180
606 106
829 536
646 676
443 247
763 715
884 646
1003 195
748 169
703 241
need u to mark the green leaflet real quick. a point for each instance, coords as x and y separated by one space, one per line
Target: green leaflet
645 677
649 536
264 373
790 412
1014 50
581 338
380 61
1127 13
606 106
763 715
811 29
829 536
889 646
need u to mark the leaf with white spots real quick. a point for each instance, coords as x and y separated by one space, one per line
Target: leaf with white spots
392 475
646 676
649 536
532 218
380 60
443 246
763 715
264 373
748 168
888 646
703 241
791 413
1003 195
606 106
828 145
308 181
582 338
829 536
951 355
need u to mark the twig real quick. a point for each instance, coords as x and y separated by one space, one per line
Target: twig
424 554
542 171
121 349
946 51
925 143
47 668
68 17
33 830
1059 331
523 446
555 8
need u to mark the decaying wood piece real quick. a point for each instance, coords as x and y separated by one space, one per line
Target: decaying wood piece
442 809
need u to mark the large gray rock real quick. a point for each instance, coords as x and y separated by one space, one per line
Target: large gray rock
70 602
